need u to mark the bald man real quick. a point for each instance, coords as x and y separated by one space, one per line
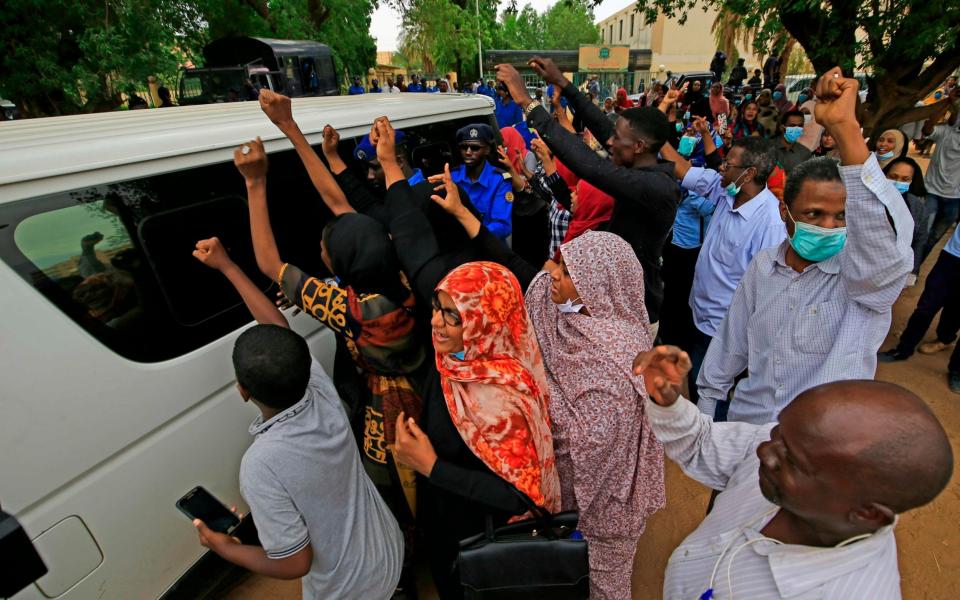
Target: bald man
807 505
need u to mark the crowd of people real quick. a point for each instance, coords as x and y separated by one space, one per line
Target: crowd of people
594 289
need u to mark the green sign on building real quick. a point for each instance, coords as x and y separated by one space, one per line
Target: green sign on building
604 52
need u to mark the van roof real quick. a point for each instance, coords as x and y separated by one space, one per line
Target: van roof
55 154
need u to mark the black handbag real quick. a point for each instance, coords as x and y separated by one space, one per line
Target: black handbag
540 557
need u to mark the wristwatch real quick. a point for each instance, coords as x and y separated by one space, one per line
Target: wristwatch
531 106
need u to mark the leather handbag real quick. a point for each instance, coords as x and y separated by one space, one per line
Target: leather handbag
542 557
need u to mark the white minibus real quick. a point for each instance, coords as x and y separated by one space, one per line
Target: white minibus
117 393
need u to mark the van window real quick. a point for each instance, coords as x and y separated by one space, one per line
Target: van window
117 258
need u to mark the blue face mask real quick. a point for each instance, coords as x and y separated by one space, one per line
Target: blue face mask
686 116
679 126
732 188
748 97
902 186
815 243
777 95
885 155
687 145
458 355
792 134
802 98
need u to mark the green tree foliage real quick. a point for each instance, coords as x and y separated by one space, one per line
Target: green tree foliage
64 57
909 47
567 24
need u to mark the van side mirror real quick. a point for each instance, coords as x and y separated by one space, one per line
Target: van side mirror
21 565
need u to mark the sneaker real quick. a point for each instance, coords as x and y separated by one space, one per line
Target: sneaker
890 356
911 280
932 347
953 380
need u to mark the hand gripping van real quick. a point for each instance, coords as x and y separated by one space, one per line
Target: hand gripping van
117 392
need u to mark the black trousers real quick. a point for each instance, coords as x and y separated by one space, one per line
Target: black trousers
676 318
531 236
942 291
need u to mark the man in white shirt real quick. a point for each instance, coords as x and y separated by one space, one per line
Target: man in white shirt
807 505
943 177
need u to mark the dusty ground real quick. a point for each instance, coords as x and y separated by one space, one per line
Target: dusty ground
928 538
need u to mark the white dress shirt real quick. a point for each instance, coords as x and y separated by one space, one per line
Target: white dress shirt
792 331
723 456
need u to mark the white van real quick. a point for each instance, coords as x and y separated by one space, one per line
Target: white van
117 392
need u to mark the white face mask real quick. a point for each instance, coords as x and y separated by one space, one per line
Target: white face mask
570 306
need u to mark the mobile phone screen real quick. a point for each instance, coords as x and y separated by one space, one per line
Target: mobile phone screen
198 503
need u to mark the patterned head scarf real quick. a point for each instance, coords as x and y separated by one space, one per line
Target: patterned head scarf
516 148
497 396
589 361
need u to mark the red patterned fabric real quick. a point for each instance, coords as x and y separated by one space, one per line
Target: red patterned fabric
497 396
516 148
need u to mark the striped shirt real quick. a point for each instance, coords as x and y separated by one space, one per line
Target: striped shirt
792 331
723 456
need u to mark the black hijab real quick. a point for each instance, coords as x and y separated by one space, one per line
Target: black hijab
363 256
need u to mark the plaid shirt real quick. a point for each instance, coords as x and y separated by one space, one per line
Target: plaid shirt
559 216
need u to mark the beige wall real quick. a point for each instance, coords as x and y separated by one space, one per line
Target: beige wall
687 47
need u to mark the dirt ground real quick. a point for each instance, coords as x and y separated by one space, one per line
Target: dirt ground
928 539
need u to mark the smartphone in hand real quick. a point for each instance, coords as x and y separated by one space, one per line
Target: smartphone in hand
198 503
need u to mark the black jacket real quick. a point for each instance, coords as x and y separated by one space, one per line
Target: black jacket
645 198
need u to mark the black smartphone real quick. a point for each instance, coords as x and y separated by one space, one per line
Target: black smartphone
198 503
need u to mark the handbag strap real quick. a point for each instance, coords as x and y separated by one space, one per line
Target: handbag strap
541 515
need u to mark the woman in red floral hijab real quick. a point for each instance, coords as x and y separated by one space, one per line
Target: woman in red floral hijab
497 392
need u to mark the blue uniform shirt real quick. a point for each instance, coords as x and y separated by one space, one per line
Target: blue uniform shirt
415 87
508 113
487 91
416 177
355 89
693 218
492 194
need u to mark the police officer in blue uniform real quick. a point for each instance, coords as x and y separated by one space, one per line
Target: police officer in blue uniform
356 88
488 187
415 85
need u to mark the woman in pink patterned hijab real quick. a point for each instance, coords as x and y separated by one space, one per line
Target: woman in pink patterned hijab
590 321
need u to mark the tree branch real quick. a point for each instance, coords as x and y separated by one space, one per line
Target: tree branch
920 113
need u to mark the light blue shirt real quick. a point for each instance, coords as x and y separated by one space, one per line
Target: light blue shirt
734 237
792 331
953 244
691 222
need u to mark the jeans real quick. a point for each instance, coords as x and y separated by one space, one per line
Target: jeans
942 291
943 213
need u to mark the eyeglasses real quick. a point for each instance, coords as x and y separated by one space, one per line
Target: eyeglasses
726 164
449 316
472 147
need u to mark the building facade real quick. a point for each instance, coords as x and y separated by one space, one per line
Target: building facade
674 47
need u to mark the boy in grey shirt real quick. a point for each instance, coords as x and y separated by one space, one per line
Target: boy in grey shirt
317 513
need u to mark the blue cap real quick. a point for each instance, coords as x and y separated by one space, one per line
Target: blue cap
475 132
365 151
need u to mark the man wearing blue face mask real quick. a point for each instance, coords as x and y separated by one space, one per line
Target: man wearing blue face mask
746 221
815 308
798 139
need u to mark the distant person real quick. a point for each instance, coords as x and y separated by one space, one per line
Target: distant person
737 75
375 86
594 86
771 72
317 513
135 102
415 85
943 174
940 294
808 505
508 112
163 92
756 81
400 84
356 88
718 65
391 87
907 176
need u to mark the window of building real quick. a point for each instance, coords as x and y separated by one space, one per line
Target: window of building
621 30
631 25
611 33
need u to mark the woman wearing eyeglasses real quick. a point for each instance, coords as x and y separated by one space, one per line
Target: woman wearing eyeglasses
484 436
